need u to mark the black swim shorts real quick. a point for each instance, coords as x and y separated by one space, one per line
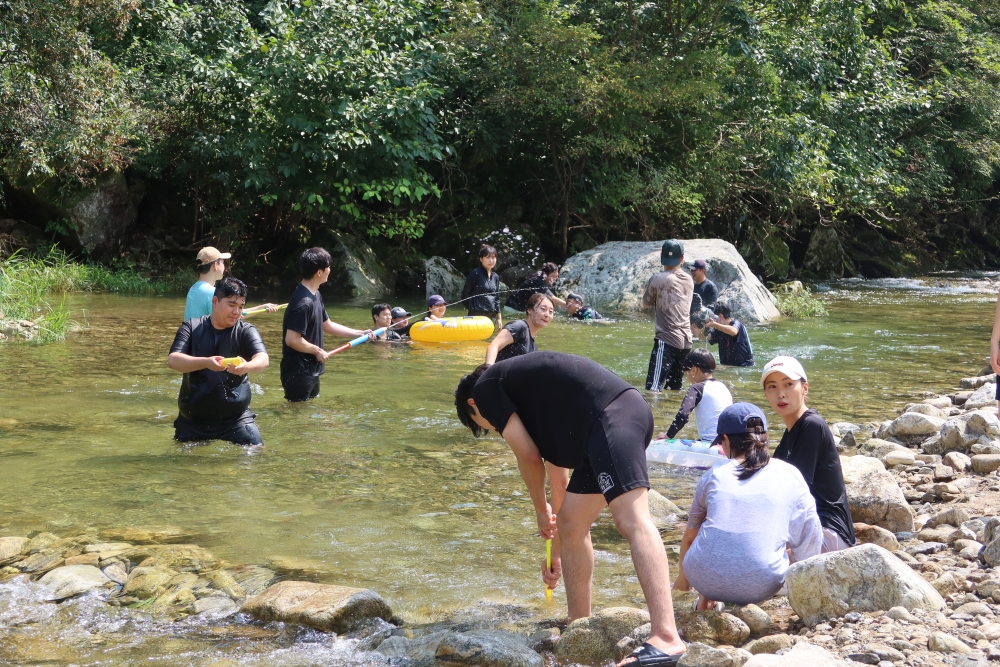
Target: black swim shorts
300 387
616 450
241 431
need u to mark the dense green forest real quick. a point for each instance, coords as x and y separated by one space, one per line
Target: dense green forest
424 126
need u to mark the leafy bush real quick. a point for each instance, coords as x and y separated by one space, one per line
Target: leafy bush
800 303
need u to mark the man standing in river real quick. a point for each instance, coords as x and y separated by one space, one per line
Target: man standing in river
302 355
669 291
211 268
605 447
214 401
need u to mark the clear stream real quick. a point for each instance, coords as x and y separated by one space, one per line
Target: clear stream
376 484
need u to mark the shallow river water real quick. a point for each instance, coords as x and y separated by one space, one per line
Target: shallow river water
375 483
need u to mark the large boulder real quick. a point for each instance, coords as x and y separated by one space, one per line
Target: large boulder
592 640
825 255
356 269
855 467
864 578
614 275
321 606
442 278
65 582
876 499
915 423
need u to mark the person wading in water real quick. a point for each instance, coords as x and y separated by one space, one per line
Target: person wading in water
518 337
211 268
604 444
483 285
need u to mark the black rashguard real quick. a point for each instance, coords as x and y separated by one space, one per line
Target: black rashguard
484 289
523 343
306 315
215 396
733 350
691 400
588 313
542 386
809 446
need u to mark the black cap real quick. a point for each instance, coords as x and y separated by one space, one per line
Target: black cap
399 312
671 252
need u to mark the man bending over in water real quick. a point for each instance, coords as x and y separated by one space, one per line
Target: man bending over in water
214 402
605 446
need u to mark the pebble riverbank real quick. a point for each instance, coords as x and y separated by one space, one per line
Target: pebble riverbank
922 590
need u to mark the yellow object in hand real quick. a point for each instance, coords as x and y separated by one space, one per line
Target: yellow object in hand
548 564
231 361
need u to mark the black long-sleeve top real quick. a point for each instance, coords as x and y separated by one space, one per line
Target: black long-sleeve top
485 290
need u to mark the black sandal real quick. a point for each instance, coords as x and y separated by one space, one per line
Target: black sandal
648 655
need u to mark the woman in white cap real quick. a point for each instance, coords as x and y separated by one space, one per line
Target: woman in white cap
808 445
745 518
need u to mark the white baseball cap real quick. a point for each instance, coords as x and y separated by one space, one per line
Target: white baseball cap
790 366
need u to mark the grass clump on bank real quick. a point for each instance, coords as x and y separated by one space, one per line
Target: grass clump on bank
27 283
795 300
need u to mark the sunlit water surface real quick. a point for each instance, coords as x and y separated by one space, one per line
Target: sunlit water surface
375 483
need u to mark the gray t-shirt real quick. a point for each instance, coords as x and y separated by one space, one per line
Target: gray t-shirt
744 526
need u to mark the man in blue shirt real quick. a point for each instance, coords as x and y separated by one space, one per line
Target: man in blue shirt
731 337
211 268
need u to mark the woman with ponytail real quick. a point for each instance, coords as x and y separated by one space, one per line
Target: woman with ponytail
746 516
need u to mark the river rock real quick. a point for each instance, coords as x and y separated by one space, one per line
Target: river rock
614 275
254 579
713 628
357 269
177 556
985 445
876 499
800 655
991 554
985 463
975 382
877 447
856 467
991 530
825 254
127 536
864 578
116 573
39 563
486 648
914 423
214 606
633 641
663 511
39 542
757 619
927 409
148 582
942 642
413 651
898 458
442 278
65 582
592 640
877 535
84 559
982 397
974 609
957 461
11 549
769 644
700 655
321 606
953 516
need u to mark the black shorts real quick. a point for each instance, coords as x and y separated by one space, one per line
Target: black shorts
241 431
616 450
300 387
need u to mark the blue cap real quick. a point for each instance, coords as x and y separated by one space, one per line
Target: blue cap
734 419
435 300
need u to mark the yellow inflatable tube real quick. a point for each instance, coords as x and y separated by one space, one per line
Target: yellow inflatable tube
452 329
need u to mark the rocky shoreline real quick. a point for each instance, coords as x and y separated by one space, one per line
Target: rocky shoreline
923 589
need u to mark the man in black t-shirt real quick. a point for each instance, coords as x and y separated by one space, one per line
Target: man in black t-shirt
539 282
214 401
526 400
305 322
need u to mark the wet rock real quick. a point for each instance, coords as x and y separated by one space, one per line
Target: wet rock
177 556
800 655
486 648
914 423
876 499
39 542
769 644
146 535
942 642
592 640
320 606
416 651
148 582
39 563
84 559
663 511
116 573
615 274
105 550
545 640
867 534
65 582
864 578
630 643
856 467
957 461
443 278
11 549
700 655
224 581
713 628
985 463
214 607
757 619
254 579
